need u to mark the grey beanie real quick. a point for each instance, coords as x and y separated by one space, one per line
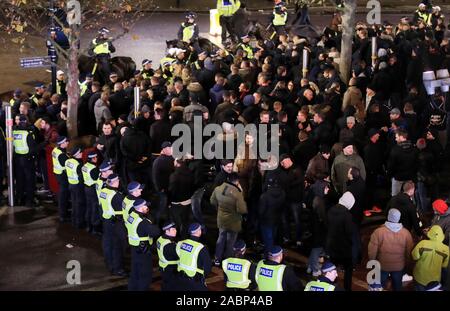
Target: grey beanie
347 200
394 215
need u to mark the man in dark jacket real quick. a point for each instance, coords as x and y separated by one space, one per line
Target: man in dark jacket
162 168
357 187
319 166
135 148
108 144
373 161
159 130
404 203
305 150
322 132
402 162
119 100
270 208
340 235
181 189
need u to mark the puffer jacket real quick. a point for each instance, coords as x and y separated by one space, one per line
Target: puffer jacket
231 206
391 249
430 256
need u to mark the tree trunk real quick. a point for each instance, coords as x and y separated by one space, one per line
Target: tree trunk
73 90
348 27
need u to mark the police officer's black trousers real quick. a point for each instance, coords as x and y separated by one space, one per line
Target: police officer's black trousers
180 215
227 25
192 284
113 244
92 208
63 195
78 205
170 280
141 270
105 67
24 172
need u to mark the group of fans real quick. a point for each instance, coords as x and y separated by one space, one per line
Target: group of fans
374 145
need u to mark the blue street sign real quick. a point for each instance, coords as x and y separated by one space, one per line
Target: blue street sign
35 62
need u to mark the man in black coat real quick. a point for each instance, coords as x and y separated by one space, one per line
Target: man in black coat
163 166
181 188
340 236
357 187
159 130
135 148
270 208
402 162
374 155
305 150
108 144
119 101
322 134
404 203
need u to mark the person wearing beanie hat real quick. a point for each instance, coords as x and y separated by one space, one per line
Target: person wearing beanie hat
76 187
59 158
391 245
168 258
194 261
326 281
272 275
91 173
230 203
442 217
141 232
339 238
239 273
25 151
431 256
114 235
342 163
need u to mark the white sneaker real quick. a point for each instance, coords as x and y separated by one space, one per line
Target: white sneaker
407 278
317 273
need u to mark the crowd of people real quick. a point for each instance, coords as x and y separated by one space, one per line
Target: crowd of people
348 150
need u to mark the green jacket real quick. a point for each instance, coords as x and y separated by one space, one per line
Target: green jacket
339 170
430 256
231 205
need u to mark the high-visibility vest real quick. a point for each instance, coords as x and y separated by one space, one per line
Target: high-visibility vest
236 270
11 102
279 19
127 204
99 186
160 244
146 75
426 17
247 49
71 171
269 277
167 59
317 286
132 224
101 48
188 31
228 8
20 141
83 87
86 171
105 200
188 251
58 169
35 99
58 87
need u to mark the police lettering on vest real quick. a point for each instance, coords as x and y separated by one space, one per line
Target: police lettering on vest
20 142
86 171
132 224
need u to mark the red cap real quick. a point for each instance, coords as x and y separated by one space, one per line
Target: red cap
440 206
